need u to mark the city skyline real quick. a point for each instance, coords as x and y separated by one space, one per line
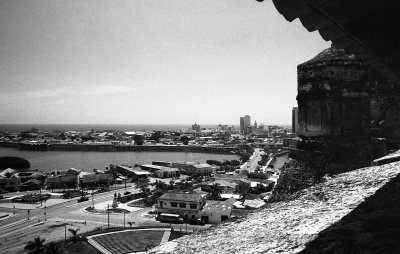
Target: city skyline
149 62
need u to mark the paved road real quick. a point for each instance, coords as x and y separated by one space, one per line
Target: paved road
69 210
252 163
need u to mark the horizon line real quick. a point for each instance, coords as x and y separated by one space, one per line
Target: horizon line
134 124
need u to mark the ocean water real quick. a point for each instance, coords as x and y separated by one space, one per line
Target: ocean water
100 127
47 161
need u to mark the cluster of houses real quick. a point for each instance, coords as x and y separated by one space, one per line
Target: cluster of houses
221 137
14 180
194 205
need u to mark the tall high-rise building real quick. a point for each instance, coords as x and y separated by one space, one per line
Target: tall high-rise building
295 119
247 121
241 124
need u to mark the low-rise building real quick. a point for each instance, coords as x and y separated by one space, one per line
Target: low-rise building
186 205
217 211
61 181
167 173
96 178
224 186
131 172
162 171
192 168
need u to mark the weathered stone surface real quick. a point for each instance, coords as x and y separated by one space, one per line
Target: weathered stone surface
287 226
295 176
338 96
373 227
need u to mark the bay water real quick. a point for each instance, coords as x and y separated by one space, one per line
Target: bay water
47 161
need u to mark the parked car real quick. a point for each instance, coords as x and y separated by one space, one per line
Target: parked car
169 218
197 222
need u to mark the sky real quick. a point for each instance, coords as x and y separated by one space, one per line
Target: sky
149 61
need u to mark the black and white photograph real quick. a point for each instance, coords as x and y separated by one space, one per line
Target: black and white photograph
199 126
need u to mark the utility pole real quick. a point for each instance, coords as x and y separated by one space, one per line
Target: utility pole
29 211
40 194
14 209
65 235
92 200
108 216
124 219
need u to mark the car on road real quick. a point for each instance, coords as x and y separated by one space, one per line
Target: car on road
83 199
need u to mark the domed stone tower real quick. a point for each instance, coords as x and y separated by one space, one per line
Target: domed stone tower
333 98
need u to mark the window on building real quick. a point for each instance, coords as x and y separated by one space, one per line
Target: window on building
193 206
174 204
182 205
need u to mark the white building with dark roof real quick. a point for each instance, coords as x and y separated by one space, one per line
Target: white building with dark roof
187 205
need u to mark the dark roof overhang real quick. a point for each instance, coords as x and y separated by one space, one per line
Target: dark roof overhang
368 29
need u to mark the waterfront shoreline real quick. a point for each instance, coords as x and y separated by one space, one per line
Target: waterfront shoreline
116 148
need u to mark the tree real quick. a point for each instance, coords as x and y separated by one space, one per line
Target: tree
235 163
36 246
185 140
156 136
257 175
245 172
245 157
214 162
53 248
74 233
171 185
14 163
160 185
242 189
142 183
138 140
215 191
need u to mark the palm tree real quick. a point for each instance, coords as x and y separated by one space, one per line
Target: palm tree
131 223
53 248
74 233
215 191
36 246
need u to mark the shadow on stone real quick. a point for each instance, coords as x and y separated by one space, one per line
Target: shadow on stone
373 227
